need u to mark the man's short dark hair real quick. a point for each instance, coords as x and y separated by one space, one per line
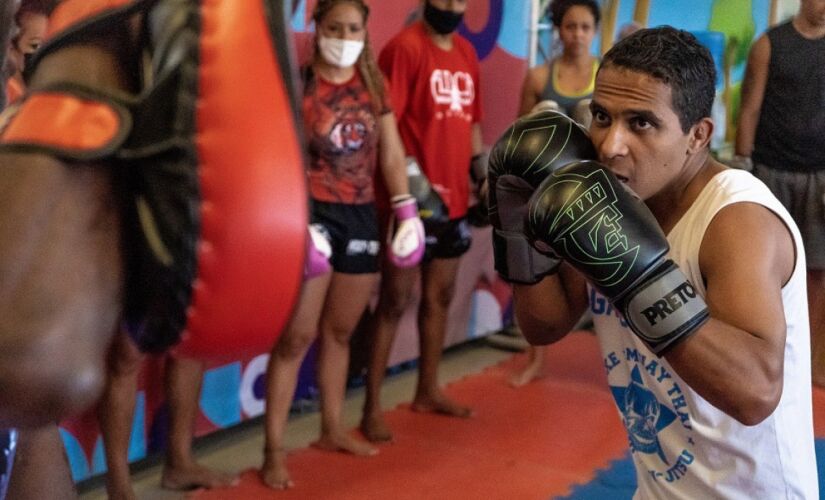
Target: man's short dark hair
675 58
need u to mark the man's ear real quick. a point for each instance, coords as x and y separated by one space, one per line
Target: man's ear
700 135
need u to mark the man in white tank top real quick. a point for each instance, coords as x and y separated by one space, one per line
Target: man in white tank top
721 407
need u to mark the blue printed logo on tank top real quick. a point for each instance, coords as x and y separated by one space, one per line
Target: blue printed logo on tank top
645 415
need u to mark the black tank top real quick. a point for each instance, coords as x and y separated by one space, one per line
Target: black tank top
567 102
791 130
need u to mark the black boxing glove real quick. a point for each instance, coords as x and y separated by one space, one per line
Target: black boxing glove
584 215
528 151
478 214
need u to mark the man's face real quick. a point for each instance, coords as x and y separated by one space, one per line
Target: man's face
636 131
29 35
813 11
33 29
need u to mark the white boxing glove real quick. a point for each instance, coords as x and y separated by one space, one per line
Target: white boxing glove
319 252
406 246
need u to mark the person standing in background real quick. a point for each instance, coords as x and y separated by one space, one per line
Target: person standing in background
350 130
434 80
32 21
781 137
568 78
8 28
566 81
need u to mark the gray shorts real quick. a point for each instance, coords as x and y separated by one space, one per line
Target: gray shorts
803 194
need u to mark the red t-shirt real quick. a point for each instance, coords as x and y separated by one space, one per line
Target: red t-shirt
342 140
437 100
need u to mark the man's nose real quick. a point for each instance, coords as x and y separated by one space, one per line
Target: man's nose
613 142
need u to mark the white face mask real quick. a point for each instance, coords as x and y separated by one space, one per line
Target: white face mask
339 52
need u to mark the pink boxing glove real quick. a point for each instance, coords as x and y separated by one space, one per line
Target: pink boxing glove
407 245
318 253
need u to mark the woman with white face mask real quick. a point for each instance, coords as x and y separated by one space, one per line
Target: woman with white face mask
349 130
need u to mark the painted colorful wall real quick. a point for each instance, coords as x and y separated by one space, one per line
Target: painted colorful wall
497 28
727 27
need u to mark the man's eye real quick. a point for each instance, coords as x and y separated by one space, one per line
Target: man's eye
599 117
640 124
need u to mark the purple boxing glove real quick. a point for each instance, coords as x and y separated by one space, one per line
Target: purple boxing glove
406 246
318 253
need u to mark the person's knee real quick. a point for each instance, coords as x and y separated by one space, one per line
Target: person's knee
125 359
396 305
439 296
294 344
337 333
394 301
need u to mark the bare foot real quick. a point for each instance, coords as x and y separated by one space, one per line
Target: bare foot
346 443
119 493
274 473
528 374
375 429
440 404
194 476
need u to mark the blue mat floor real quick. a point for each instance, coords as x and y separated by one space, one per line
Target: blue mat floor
618 482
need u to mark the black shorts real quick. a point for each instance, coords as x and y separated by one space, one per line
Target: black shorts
352 231
448 241
803 194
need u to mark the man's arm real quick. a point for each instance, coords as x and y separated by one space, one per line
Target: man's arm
753 91
61 275
548 310
735 360
391 156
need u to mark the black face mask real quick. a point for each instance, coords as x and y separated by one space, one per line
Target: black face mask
443 22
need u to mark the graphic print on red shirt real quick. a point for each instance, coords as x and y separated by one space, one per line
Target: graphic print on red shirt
342 140
437 100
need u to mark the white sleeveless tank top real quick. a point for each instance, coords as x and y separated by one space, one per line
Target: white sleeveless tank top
682 446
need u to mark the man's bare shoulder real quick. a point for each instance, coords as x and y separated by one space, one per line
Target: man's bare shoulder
751 237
